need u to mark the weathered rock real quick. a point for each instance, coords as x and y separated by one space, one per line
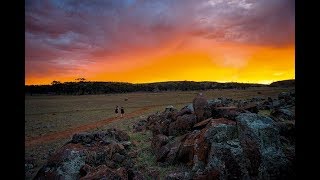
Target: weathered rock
158 141
133 154
225 160
284 95
119 135
221 130
202 124
178 176
66 163
168 153
126 144
140 125
192 148
227 112
190 107
213 103
170 112
251 108
76 159
85 169
287 130
182 124
118 158
115 148
158 124
84 138
103 172
225 101
153 174
211 174
260 141
183 111
135 175
105 137
201 108
283 114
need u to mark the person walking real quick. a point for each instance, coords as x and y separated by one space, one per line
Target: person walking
116 110
122 111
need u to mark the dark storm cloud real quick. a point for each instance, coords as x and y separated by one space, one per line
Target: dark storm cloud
78 30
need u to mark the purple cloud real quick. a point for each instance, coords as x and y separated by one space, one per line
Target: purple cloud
80 30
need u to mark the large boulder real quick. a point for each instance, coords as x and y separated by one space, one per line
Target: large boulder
65 163
249 148
201 108
260 142
193 147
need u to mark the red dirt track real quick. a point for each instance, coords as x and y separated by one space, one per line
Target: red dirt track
29 142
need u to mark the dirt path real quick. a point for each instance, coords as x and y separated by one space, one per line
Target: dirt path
29 142
32 141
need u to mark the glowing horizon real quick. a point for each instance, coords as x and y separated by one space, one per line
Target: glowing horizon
136 41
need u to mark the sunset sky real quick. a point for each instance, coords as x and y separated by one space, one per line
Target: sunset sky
159 40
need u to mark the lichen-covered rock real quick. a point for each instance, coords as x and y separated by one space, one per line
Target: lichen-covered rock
260 140
282 114
77 158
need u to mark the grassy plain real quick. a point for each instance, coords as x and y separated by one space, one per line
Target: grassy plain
45 115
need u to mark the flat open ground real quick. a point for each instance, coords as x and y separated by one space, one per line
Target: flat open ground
50 121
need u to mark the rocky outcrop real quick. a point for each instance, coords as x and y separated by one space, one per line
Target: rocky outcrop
90 156
234 142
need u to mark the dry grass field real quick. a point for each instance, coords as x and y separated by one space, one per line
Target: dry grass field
50 121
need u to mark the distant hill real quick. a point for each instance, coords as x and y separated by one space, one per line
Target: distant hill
284 83
93 87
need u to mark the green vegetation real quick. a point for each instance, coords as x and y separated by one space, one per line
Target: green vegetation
83 87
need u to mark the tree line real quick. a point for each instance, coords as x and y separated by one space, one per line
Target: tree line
91 87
